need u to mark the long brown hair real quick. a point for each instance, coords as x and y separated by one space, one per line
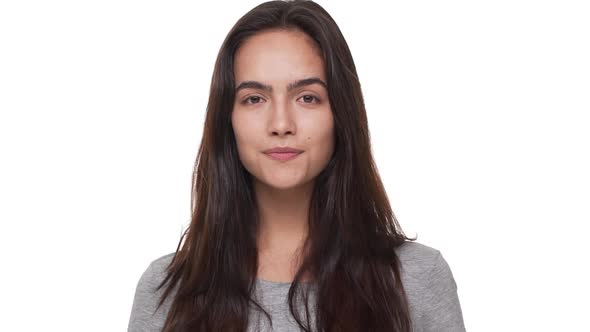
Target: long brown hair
352 229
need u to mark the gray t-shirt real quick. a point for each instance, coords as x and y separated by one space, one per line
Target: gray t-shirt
427 278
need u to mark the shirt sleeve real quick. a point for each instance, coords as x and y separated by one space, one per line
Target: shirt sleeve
144 304
442 312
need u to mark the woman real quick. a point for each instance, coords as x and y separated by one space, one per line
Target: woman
291 228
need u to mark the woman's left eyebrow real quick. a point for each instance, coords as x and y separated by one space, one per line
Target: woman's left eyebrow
291 86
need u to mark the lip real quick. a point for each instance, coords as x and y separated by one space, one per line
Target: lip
286 149
283 153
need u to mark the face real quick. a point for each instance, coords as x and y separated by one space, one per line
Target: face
274 111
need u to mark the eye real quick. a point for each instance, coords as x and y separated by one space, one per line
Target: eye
252 98
310 99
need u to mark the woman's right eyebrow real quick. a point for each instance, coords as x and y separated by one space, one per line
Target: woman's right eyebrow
294 85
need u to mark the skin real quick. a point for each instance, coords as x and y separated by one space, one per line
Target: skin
300 118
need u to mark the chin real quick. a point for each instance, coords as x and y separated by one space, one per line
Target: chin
282 185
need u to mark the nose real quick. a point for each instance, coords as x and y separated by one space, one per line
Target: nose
281 120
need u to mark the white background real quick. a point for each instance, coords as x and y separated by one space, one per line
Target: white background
479 122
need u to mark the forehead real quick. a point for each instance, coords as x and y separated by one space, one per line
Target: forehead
278 56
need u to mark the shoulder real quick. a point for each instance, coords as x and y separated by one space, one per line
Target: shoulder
145 316
419 261
424 269
157 267
154 274
430 288
416 257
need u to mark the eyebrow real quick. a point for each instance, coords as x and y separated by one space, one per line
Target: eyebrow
290 87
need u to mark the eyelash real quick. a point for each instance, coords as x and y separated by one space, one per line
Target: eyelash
245 101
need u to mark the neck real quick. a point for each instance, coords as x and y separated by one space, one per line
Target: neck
283 228
284 217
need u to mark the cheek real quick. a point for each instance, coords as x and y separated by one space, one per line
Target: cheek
241 127
239 135
245 136
321 127
320 137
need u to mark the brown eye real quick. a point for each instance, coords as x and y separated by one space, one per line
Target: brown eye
256 99
309 99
